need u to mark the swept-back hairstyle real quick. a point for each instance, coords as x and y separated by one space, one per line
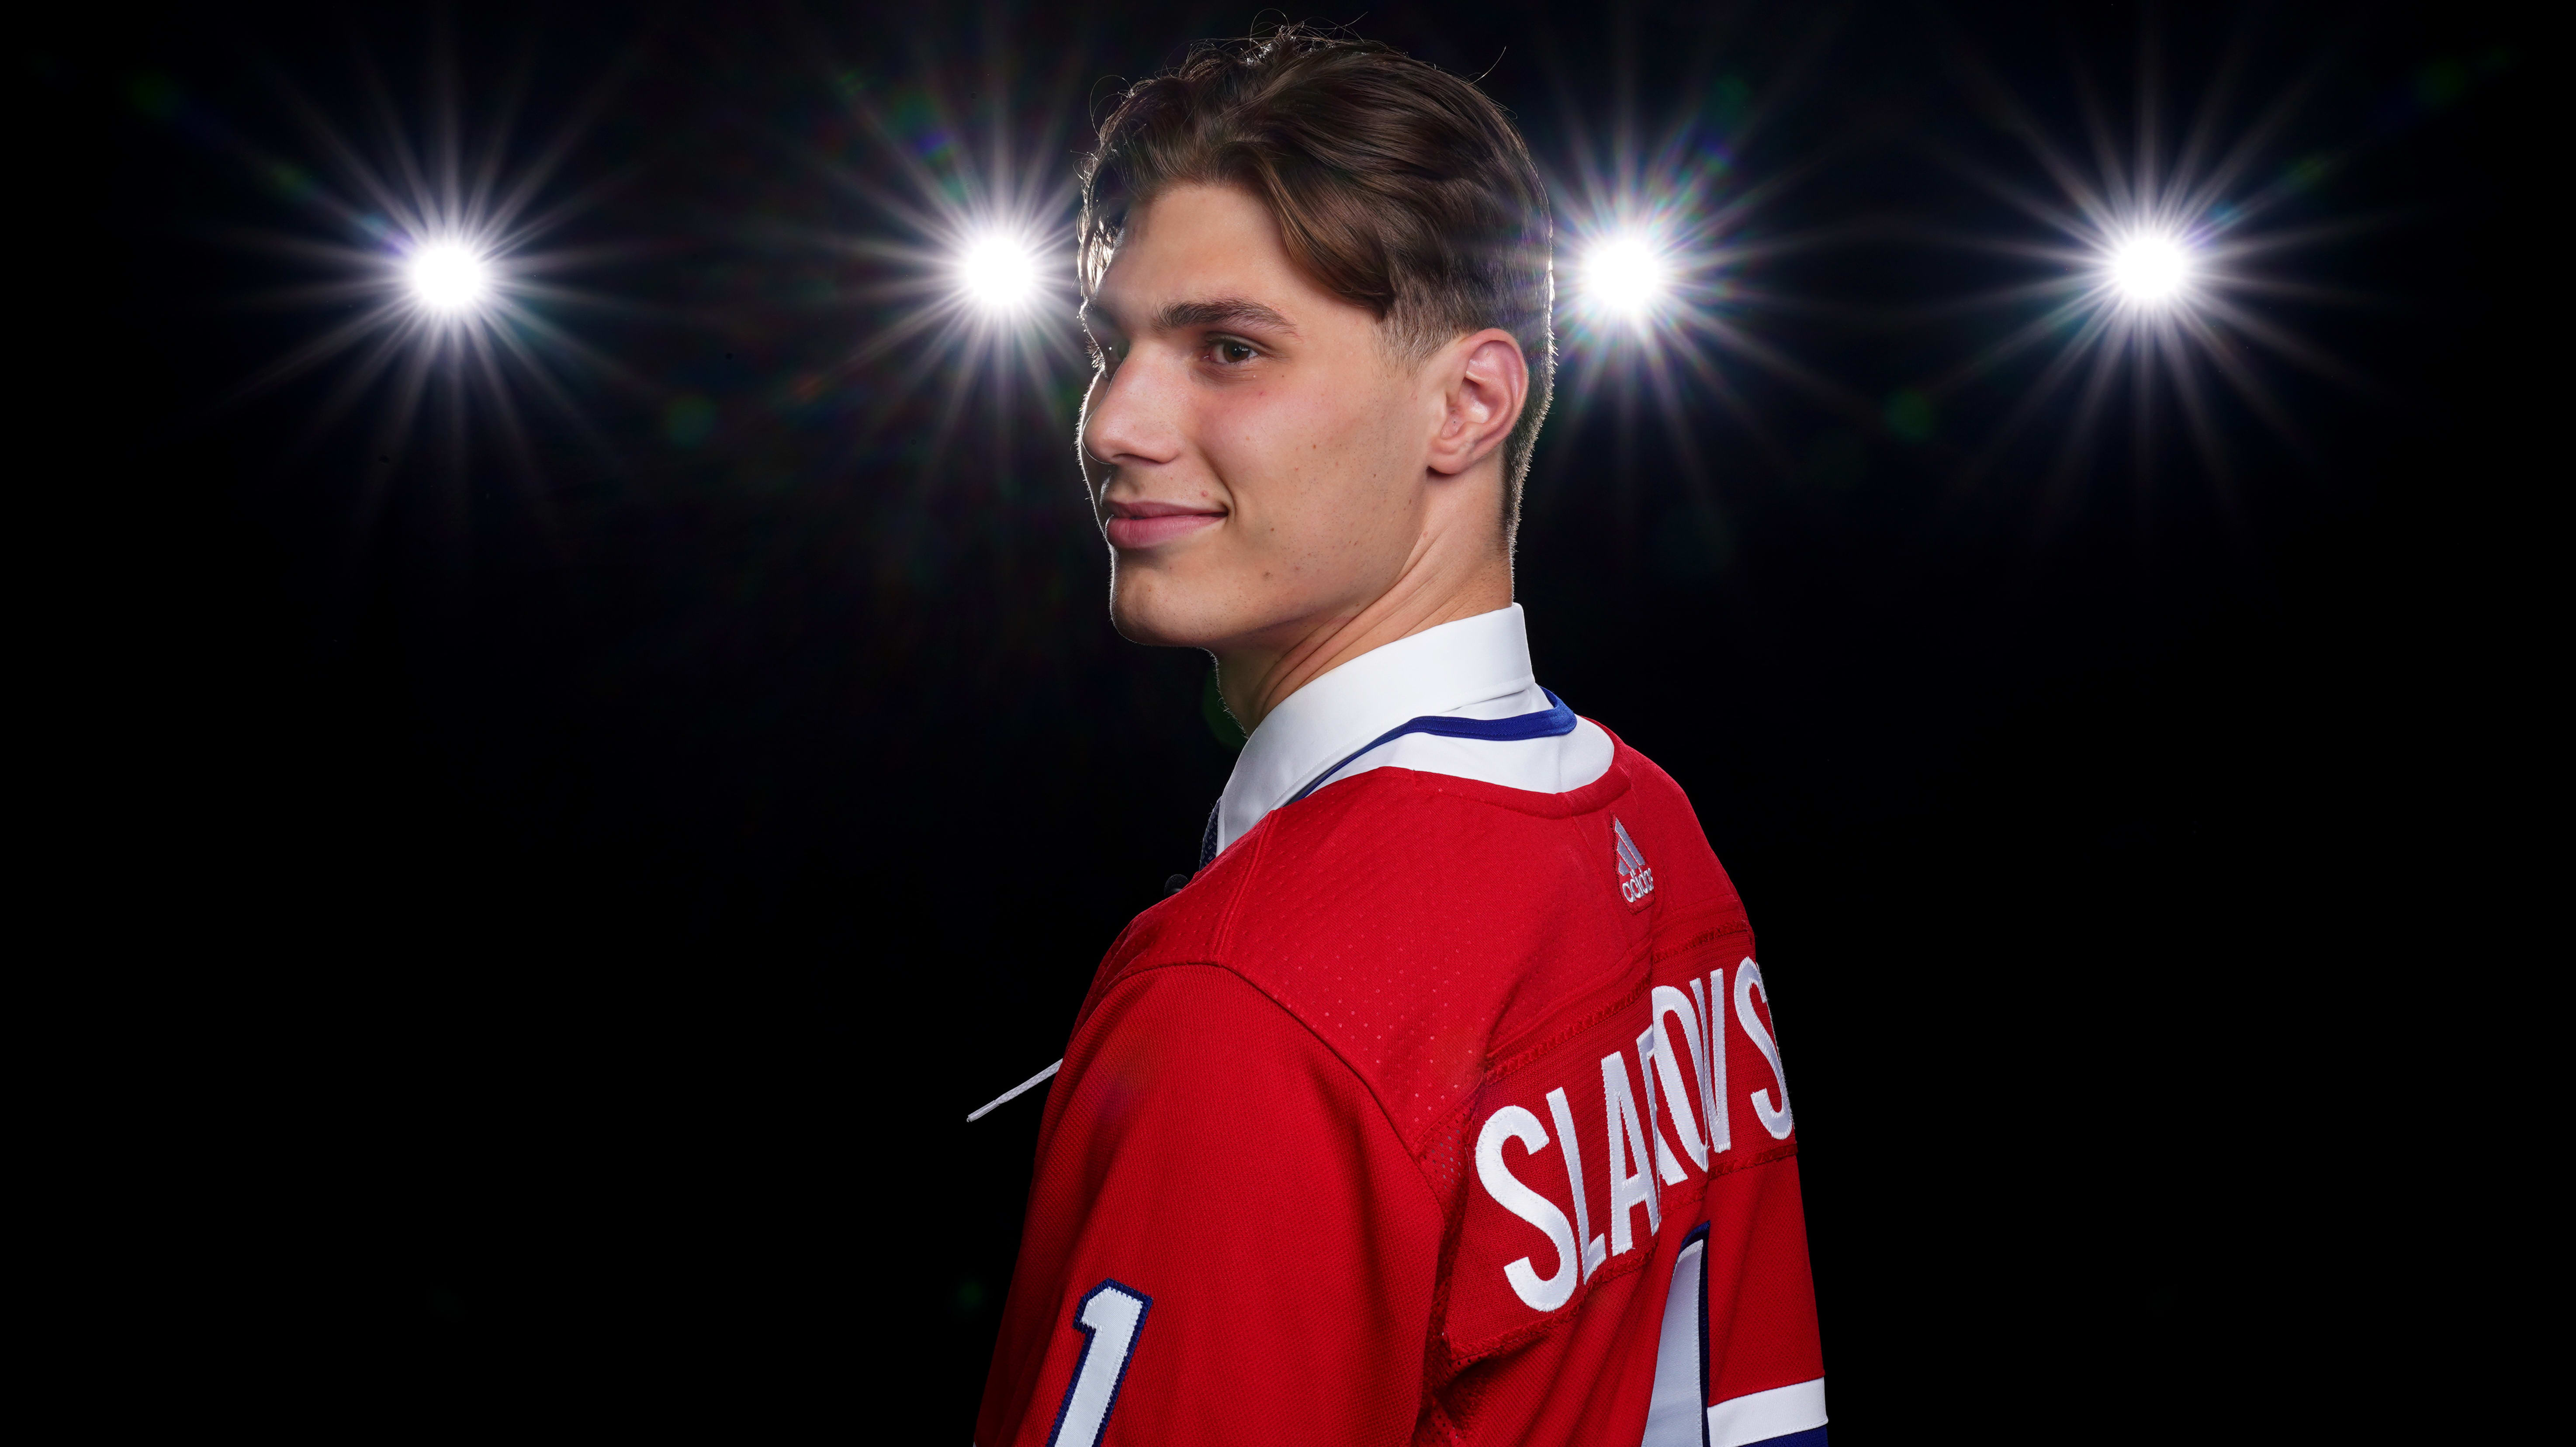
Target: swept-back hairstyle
1396 185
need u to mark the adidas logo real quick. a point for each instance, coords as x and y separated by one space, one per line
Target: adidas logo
1636 881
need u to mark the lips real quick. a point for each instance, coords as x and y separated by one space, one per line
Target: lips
1146 524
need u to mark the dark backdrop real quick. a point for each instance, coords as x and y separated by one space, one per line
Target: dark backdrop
533 914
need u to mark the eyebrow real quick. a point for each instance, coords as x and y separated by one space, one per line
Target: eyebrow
1214 312
1220 311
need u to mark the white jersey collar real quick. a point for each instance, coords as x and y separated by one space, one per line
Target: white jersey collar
1476 668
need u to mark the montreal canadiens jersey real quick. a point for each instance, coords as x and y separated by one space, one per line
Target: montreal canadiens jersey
1432 1110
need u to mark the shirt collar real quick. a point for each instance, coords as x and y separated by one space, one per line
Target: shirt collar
1448 669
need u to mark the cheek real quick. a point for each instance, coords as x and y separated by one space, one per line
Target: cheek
1251 441
1296 461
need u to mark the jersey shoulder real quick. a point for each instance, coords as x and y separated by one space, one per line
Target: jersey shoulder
1415 921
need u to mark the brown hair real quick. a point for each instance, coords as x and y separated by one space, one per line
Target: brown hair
1396 185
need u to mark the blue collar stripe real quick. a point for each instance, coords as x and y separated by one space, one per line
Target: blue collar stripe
1548 723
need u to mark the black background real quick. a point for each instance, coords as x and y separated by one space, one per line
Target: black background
530 925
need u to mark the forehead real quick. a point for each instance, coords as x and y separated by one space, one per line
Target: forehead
1194 243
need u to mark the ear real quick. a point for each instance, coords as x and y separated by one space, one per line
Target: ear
1485 381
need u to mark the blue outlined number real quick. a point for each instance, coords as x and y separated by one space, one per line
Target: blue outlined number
1109 1319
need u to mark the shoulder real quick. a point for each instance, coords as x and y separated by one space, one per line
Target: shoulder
1669 836
1198 1050
1411 919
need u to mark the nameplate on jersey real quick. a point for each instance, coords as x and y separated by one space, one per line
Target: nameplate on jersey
1587 1150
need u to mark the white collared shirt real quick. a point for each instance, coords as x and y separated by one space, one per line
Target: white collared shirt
1474 668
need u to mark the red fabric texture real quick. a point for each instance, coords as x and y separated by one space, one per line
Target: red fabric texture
1270 1109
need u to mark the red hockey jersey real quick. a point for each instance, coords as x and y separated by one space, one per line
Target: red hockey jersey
1432 1111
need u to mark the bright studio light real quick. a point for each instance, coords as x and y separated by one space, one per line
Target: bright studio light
999 272
1626 275
448 276
2150 269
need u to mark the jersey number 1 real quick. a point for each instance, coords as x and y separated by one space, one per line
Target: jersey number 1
1109 1318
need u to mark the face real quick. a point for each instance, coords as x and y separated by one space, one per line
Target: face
1258 455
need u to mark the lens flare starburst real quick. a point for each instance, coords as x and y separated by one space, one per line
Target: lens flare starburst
956 260
1626 275
1000 273
1665 249
432 256
2158 268
2148 268
448 277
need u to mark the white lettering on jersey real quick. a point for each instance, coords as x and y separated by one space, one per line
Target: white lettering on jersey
1513 1123
1672 1004
1632 1167
1712 1076
1665 1163
1593 1255
1748 978
1639 1158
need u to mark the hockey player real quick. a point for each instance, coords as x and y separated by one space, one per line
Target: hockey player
1444 1103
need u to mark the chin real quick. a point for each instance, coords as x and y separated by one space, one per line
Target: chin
1148 625
1146 608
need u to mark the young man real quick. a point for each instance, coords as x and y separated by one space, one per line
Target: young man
1443 1104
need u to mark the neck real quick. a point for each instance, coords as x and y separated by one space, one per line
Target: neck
1438 585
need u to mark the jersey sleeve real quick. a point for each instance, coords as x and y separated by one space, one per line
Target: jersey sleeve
1226 1241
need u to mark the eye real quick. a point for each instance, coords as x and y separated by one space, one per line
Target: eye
1232 353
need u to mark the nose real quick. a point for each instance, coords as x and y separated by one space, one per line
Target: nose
1127 418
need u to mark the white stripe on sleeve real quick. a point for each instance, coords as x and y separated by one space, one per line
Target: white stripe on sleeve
1761 1416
